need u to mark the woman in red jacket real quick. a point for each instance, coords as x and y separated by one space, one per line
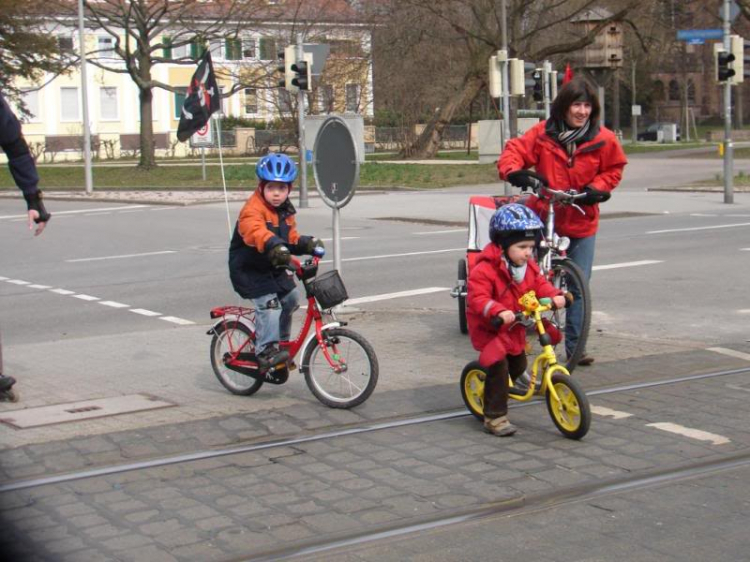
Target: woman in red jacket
503 273
572 151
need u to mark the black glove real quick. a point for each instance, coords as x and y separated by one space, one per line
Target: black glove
279 255
593 196
526 179
34 203
311 244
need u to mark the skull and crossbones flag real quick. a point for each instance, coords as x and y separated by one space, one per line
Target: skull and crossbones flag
202 99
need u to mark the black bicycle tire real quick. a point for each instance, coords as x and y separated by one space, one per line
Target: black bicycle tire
574 271
235 325
372 359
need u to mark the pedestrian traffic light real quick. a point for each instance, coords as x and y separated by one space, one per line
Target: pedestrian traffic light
287 62
538 84
737 49
302 78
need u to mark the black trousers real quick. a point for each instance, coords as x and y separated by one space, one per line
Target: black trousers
496 385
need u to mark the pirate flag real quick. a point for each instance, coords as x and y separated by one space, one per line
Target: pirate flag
202 99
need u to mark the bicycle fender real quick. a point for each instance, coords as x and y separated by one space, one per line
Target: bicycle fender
228 318
323 328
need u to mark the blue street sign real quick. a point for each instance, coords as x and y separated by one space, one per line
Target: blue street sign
691 34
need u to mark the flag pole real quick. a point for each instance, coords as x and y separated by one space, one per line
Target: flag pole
223 178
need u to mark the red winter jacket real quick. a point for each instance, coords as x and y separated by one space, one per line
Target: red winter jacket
597 163
490 291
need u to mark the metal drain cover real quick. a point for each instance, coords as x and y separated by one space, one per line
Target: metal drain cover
88 409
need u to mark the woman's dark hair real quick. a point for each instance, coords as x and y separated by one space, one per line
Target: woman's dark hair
577 89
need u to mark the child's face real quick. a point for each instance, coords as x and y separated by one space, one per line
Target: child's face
275 193
521 252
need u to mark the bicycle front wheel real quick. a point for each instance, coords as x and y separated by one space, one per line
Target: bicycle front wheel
354 373
573 322
228 338
571 413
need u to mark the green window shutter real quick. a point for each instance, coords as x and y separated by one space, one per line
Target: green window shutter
167 47
194 50
179 101
233 49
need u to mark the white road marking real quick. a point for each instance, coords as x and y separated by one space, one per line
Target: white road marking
703 215
62 291
175 320
699 228
744 311
123 256
387 296
165 208
144 312
19 282
744 249
427 233
614 414
99 214
35 286
730 353
86 297
79 211
344 238
401 255
4 278
114 304
689 432
626 264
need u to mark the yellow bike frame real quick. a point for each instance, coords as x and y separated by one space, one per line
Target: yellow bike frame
546 361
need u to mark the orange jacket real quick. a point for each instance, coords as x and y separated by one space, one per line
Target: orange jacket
597 162
259 228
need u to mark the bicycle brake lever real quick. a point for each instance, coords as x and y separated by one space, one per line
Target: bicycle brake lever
579 208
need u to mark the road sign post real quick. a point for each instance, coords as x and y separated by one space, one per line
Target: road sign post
203 138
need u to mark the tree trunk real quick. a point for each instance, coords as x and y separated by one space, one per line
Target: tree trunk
428 143
147 160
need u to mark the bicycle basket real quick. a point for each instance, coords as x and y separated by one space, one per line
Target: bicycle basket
328 289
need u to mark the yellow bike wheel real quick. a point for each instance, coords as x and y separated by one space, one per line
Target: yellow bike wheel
472 388
571 413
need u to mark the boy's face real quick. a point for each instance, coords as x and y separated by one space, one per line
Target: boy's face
275 193
521 252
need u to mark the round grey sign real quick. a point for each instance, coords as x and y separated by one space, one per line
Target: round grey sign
336 165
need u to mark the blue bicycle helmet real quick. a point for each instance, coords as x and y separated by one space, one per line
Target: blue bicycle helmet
276 167
513 223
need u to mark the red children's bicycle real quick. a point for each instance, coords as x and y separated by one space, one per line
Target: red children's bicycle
339 365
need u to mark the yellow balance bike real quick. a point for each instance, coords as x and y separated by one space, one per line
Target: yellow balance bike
567 403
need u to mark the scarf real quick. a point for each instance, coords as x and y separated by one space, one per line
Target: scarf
569 137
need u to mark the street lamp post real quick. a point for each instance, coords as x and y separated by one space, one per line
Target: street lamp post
85 103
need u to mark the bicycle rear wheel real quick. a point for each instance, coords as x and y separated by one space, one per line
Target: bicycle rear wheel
228 338
357 367
568 277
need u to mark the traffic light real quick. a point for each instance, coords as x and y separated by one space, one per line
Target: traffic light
737 49
301 69
286 67
538 84
516 77
495 80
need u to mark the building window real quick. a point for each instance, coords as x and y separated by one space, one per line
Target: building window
658 88
674 90
179 101
180 52
251 101
217 52
69 110
325 98
268 48
108 104
106 46
233 49
31 99
352 97
65 44
248 49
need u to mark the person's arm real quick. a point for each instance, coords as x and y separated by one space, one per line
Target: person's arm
519 153
480 298
613 162
22 166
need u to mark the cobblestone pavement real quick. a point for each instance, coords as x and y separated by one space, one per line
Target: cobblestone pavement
246 504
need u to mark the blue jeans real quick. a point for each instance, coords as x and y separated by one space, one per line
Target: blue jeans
273 318
581 252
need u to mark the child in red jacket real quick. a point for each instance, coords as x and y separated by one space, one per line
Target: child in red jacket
503 273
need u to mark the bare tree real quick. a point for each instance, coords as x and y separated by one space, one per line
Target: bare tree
463 34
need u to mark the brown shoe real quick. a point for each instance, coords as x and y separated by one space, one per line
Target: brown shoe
499 426
586 360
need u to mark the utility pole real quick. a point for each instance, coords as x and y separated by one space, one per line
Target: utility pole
85 102
506 85
728 145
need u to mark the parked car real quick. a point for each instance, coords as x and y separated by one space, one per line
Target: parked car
651 132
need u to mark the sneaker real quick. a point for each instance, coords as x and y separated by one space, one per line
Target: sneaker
499 426
272 356
6 382
522 383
